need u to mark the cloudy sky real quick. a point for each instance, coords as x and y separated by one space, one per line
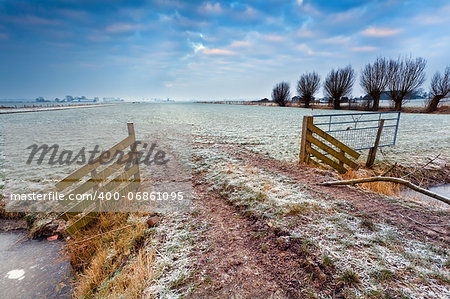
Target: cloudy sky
204 50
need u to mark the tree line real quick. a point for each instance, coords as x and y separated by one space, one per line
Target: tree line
399 78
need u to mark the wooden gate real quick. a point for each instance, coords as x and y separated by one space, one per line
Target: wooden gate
89 178
313 146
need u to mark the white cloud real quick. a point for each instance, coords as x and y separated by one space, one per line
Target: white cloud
217 52
302 32
198 47
273 37
307 50
363 49
239 44
337 40
123 27
349 15
208 7
380 32
430 20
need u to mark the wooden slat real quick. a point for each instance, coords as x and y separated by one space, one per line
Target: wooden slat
340 156
99 178
303 153
133 186
110 187
105 173
314 162
123 177
130 127
334 141
80 223
326 160
78 174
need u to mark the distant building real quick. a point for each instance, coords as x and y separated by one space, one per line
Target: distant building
296 99
113 100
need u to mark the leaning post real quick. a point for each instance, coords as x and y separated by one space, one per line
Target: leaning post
373 150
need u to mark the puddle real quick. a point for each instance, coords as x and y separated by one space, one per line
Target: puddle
32 269
440 189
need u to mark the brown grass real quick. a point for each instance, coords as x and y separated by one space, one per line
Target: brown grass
379 187
114 263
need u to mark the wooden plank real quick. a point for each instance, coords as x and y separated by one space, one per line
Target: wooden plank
130 127
326 160
303 153
373 150
99 178
78 174
110 187
340 156
80 223
105 173
315 163
334 141
133 186
309 122
123 177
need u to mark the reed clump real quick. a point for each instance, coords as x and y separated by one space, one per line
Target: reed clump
386 188
110 257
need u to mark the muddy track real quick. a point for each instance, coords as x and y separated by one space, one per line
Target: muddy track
247 259
421 222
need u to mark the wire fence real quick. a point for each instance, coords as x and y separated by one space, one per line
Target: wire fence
358 130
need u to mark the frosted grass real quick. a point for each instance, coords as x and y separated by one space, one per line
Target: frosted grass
333 231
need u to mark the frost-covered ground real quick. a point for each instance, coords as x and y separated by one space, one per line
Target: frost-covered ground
274 131
385 260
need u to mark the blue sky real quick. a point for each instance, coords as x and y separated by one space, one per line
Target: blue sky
205 50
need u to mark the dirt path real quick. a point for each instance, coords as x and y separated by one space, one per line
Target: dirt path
245 259
421 222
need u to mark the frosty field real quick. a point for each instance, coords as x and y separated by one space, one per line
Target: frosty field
272 130
257 216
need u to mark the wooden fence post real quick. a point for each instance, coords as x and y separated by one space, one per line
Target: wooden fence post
373 150
307 122
133 151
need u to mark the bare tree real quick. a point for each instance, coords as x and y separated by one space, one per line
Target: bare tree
405 77
307 86
374 79
338 84
281 93
439 89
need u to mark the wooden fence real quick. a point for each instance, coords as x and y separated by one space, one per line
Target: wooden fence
316 142
95 178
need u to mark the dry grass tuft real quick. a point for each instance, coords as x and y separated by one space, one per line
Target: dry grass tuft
110 257
350 278
386 188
